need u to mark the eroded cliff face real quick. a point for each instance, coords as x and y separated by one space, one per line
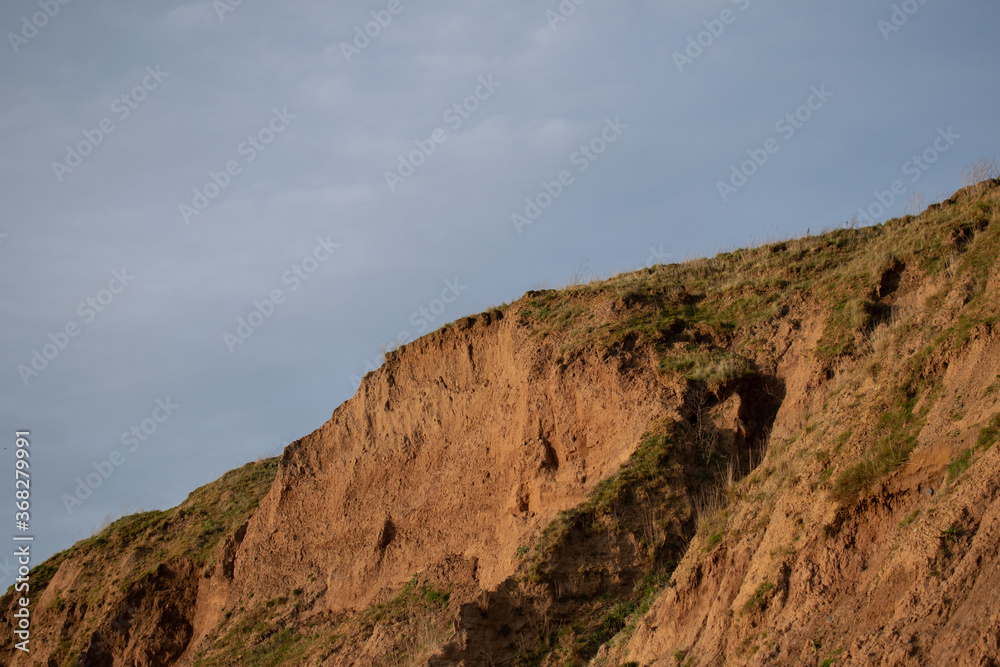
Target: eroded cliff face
908 573
451 457
871 533
134 594
464 445
776 456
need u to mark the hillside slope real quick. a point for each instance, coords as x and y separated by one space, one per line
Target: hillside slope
781 455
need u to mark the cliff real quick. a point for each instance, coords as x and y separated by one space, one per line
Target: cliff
780 455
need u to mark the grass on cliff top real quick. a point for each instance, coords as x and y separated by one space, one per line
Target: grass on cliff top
197 525
132 547
846 271
697 314
969 229
192 529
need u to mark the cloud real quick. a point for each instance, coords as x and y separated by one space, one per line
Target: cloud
325 175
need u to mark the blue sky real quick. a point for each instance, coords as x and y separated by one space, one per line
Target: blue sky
258 117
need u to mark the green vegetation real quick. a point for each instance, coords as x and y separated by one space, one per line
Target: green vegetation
987 438
280 648
961 463
848 318
639 500
990 434
910 518
699 304
258 639
951 534
226 503
593 624
896 437
414 597
417 615
647 590
263 637
133 547
646 477
42 574
197 525
707 323
833 657
758 601
715 369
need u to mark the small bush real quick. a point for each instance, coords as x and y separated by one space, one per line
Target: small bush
980 171
715 369
898 425
990 433
833 657
951 534
758 601
960 464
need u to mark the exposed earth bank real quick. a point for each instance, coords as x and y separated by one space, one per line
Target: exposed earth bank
777 456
